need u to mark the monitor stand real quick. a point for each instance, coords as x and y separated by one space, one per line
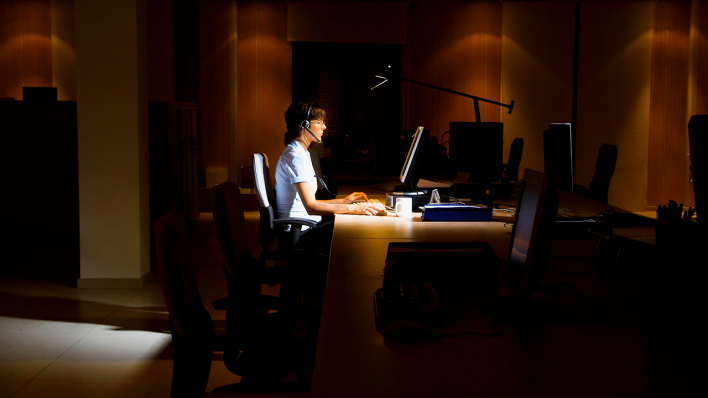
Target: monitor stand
419 197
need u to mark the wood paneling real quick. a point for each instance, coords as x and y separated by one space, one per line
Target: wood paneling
614 76
702 64
10 49
63 49
454 45
264 78
36 44
537 72
25 46
668 103
214 85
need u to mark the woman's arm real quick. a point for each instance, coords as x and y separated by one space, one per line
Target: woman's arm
335 206
351 198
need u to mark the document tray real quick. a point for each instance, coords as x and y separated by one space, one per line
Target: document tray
455 212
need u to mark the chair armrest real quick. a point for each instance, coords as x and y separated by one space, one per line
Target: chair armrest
294 220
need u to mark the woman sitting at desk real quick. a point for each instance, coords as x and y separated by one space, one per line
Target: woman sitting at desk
296 182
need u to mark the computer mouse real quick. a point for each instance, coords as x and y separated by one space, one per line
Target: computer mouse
408 330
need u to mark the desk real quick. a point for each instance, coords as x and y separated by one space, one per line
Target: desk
572 357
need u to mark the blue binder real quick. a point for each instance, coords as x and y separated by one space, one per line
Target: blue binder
455 212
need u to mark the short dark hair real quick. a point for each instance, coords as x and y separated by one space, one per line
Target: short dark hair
296 114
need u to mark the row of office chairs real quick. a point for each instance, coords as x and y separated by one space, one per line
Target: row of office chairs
600 184
259 343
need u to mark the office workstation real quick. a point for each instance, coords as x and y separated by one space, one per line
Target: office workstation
143 106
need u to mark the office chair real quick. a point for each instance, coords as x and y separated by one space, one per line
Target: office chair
259 350
190 324
511 167
604 170
227 208
270 227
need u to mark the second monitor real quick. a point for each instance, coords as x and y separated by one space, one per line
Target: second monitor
477 148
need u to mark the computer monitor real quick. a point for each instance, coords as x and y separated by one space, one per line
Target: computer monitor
558 155
531 235
409 173
477 148
697 140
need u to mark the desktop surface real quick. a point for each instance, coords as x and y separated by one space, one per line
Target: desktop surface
586 355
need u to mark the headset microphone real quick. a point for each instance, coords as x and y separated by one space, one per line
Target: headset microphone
306 125
319 141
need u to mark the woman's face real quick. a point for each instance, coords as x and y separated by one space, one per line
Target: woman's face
318 127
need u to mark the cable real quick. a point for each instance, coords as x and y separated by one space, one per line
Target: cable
330 192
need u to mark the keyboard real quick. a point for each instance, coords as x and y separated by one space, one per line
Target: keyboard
361 202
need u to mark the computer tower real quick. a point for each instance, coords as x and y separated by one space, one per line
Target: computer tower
477 148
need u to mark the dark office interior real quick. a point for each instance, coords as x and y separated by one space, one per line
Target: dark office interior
142 106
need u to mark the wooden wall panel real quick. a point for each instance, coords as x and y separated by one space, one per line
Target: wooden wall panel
264 78
36 44
454 45
668 104
702 62
10 49
214 86
25 46
63 49
614 76
537 72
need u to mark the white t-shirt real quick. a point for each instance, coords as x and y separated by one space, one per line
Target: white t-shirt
294 166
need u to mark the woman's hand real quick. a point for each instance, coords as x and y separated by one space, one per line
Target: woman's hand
353 197
367 209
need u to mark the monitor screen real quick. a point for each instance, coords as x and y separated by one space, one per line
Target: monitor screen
477 148
531 234
414 155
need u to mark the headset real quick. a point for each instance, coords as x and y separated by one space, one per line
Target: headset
306 124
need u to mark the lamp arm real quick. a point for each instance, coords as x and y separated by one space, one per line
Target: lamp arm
475 98
509 106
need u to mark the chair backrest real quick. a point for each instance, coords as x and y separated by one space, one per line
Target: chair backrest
266 199
179 282
241 270
531 234
227 209
604 170
515 152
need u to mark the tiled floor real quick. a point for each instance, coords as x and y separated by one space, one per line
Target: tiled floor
64 342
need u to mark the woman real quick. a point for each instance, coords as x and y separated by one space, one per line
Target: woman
295 180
